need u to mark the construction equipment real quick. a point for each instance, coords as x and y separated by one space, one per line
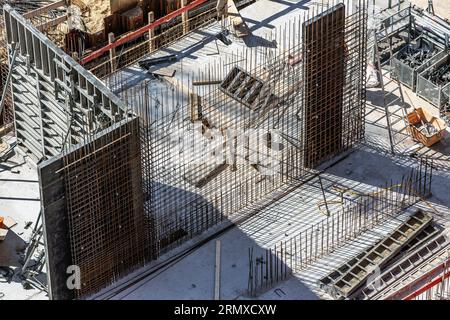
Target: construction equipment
405 269
424 127
349 277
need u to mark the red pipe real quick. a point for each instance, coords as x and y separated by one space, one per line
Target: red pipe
427 286
423 278
135 34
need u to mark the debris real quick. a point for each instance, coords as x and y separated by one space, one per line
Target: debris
3 233
164 72
415 54
372 76
411 150
9 222
223 38
424 127
428 129
148 62
440 76
7 273
28 224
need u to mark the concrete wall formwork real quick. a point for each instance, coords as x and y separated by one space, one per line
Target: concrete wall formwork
89 161
92 207
57 103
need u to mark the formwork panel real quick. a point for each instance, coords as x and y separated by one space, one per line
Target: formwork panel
93 207
104 201
324 84
66 103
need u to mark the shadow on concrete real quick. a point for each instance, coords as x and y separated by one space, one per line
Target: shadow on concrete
266 23
187 271
11 250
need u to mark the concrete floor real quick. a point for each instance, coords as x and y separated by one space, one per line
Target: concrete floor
19 199
192 277
363 170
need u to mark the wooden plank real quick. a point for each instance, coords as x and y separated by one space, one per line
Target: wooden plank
44 9
240 27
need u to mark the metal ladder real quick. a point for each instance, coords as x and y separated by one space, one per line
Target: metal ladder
385 69
404 270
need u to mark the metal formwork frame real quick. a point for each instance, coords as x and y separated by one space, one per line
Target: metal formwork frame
56 101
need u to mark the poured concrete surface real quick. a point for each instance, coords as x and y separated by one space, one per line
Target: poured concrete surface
19 199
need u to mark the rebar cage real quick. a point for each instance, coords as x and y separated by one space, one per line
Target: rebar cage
200 156
186 194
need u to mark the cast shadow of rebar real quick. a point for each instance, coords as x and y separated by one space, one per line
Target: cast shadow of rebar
192 275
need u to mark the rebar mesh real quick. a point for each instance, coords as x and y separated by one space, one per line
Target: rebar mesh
269 266
40 19
185 196
104 204
132 193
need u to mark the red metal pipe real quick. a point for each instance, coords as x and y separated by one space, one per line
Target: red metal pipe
427 286
399 294
135 34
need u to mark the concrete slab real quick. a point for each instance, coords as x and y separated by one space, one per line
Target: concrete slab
19 199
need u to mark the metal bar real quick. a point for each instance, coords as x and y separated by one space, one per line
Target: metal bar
135 34
8 78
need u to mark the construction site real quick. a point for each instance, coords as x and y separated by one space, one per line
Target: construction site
225 150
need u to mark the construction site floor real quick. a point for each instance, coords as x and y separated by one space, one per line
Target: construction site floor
362 170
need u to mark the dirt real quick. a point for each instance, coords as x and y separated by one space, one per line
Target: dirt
93 20
99 9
